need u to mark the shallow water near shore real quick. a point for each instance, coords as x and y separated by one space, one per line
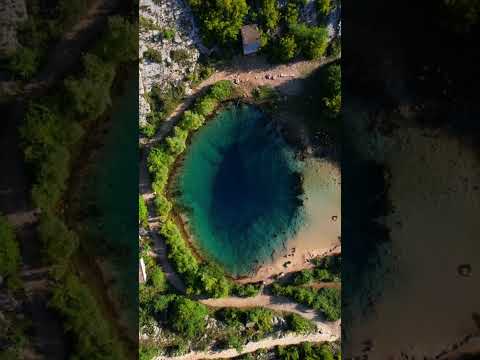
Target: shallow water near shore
241 188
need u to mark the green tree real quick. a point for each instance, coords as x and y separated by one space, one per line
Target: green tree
45 129
9 253
120 42
93 339
176 143
90 94
142 211
163 206
291 14
24 62
312 40
59 242
158 280
212 281
206 106
299 324
220 20
187 317
324 7
222 90
270 14
191 120
287 48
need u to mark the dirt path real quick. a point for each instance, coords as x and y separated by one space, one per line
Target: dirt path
248 73
267 343
277 303
67 52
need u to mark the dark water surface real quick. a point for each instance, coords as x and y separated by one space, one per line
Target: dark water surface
116 187
241 190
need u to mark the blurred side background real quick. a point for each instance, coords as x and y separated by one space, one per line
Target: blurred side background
68 147
411 180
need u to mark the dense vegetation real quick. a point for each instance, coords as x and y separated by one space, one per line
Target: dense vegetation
303 351
13 338
142 211
51 130
327 269
319 105
43 26
283 36
201 278
308 351
325 300
220 21
9 254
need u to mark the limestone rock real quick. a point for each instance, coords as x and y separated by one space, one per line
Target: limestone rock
12 14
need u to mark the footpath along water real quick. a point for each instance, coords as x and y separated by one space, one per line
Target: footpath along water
241 190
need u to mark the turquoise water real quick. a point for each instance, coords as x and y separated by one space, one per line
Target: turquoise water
241 190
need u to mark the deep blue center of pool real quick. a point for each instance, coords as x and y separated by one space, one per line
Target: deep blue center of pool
240 189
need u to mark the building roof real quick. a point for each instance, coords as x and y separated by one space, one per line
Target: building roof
250 39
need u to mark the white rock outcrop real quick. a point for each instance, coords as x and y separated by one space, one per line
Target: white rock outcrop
12 13
171 15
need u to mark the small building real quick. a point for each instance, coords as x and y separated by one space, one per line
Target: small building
250 39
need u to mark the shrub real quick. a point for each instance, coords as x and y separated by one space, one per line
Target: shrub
211 281
247 290
147 351
305 350
142 211
90 94
222 90
168 34
9 253
270 14
158 280
265 93
24 62
220 21
180 254
175 144
147 24
324 7
82 318
180 55
149 130
120 43
164 101
187 317
152 55
59 242
191 120
325 300
206 106
291 14
163 207
298 324
312 40
287 48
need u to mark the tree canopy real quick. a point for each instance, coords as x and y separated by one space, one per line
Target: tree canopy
220 20
9 251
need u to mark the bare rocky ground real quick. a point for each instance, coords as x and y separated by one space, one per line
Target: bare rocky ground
174 16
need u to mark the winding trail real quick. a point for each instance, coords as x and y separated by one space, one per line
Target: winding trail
66 53
248 73
269 342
